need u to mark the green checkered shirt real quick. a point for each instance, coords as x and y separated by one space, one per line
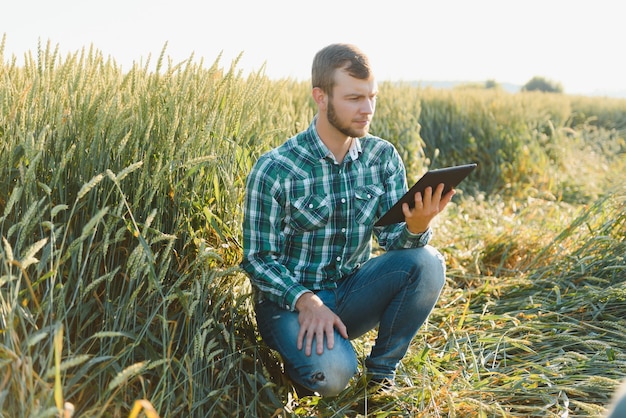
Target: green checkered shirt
308 220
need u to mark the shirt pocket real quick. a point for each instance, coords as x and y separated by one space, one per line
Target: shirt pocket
308 213
366 203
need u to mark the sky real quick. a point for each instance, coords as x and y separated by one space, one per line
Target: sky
578 44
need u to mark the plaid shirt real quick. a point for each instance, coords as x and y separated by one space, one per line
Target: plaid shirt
308 220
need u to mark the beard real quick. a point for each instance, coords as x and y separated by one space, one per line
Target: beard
342 126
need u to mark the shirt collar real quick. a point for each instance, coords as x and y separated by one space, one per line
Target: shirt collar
321 151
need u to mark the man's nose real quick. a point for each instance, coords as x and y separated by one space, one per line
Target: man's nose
368 106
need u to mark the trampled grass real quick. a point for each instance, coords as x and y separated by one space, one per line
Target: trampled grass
120 206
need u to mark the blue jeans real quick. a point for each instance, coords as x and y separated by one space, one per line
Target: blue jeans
396 291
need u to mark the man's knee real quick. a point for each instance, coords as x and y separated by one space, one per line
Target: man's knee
430 264
331 372
333 380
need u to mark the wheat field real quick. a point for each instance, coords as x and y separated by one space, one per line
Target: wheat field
120 209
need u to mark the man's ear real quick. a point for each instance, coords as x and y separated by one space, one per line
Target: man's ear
320 98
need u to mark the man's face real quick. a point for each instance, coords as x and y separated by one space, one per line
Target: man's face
352 104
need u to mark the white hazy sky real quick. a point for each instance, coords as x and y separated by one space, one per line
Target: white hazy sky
579 44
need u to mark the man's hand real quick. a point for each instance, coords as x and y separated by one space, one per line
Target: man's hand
426 208
317 320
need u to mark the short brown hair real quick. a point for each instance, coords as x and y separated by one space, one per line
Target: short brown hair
338 56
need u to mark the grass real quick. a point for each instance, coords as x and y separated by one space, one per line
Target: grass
120 206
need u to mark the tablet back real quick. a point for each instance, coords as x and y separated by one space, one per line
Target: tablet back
449 176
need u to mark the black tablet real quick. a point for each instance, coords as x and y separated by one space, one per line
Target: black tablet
449 176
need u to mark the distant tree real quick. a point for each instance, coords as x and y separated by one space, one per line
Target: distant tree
491 84
542 84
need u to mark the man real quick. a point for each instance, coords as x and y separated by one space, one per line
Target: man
310 210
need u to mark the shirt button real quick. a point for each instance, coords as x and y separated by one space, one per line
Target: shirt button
343 229
338 258
310 205
369 196
343 200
